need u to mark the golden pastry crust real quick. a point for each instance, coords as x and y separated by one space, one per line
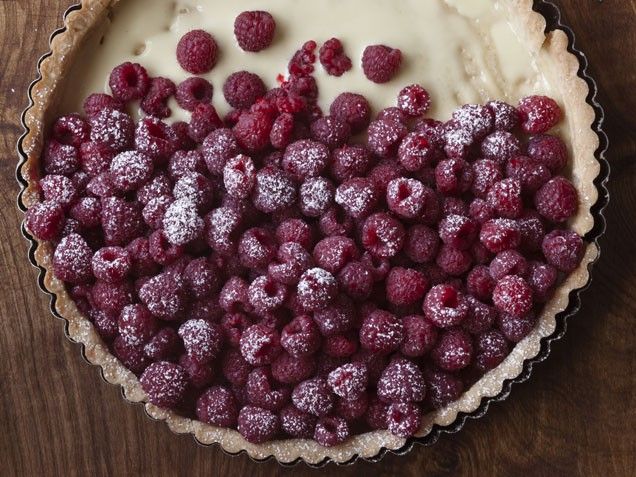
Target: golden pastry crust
552 52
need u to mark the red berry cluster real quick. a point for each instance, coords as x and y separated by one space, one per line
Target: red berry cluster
264 273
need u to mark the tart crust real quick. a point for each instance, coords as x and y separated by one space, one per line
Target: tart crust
563 71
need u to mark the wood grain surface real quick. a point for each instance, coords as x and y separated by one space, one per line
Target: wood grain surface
575 416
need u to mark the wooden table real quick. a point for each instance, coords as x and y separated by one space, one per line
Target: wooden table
576 416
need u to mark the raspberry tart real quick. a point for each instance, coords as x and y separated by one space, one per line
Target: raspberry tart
310 238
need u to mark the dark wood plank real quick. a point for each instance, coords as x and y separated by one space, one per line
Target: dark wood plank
576 416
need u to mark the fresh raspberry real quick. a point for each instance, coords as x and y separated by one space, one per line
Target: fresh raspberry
538 114
316 195
505 197
257 425
201 277
131 356
557 200
508 262
331 431
313 396
295 230
282 132
201 339
156 99
242 89
95 158
486 173
130 170
104 323
563 249
199 374
382 235
380 63
385 137
377 413
458 142
420 336
121 221
195 188
302 63
252 131
548 150
316 289
333 58
415 152
453 176
291 261
498 235
164 345
72 259
266 295
162 250
408 198
111 128
233 326
197 52
542 278
192 92
305 158
330 131
531 174
453 261
513 295
421 243
129 81
260 345
99 101
458 231
480 282
111 264
381 332
505 116
401 381
142 262
254 30
261 391
333 253
386 171
358 197
500 146
476 119
274 190
71 130
515 328
136 325
393 113
58 189
405 286
159 186
352 409
349 381
445 306
60 158
341 346
203 121
292 370
239 176
300 337
352 108
356 280
233 296
414 100
156 139
453 206
296 423
86 211
234 367
453 351
181 222
218 148
335 221
217 406
165 297
442 388
404 419
164 383
480 316
337 318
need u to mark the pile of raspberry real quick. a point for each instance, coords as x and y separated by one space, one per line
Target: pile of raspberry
273 273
